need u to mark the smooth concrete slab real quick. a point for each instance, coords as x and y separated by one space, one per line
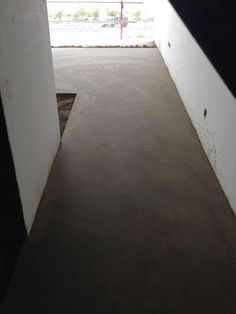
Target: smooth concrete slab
133 219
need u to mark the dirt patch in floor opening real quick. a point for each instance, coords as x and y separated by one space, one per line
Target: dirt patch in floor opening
64 102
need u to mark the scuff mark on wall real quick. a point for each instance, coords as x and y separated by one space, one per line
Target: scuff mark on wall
211 147
7 91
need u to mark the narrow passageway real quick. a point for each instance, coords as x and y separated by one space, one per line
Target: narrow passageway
133 219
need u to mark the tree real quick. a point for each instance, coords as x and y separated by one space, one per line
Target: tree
137 14
96 14
89 14
59 15
81 13
112 13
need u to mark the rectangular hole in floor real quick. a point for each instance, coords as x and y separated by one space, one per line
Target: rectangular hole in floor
64 102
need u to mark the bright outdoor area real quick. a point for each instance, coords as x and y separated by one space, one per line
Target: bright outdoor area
84 23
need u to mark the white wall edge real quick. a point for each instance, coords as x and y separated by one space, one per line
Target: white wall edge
200 87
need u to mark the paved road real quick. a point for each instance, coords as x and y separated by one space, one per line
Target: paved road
77 33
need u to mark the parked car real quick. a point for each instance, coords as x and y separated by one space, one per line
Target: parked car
108 25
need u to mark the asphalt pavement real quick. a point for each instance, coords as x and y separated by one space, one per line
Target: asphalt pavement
72 33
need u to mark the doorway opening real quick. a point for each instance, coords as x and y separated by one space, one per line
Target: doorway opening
104 23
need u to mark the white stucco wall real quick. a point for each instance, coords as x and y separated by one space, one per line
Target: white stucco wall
29 97
201 88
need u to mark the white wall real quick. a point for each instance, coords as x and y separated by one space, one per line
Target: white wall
29 97
200 87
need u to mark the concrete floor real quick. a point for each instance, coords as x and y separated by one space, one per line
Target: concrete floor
133 219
